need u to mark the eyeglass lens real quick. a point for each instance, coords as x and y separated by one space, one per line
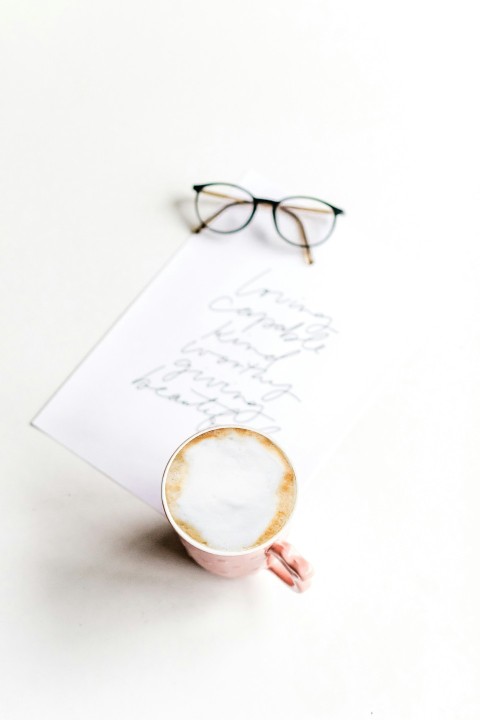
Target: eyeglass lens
302 219
224 208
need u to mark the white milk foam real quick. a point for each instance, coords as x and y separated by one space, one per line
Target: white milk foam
230 488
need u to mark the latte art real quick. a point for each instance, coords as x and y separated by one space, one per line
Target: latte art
230 489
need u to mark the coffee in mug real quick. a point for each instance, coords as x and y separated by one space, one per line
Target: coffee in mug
231 489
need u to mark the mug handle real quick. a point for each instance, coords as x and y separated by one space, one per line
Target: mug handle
289 566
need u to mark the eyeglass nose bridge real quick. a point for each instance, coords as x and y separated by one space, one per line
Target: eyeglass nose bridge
266 201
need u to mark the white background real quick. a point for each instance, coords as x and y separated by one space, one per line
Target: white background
109 112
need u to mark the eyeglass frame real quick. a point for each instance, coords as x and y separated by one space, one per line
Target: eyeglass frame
256 201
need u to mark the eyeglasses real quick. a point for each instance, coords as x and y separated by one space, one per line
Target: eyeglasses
299 220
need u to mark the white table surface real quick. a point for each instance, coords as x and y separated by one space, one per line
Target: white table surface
110 111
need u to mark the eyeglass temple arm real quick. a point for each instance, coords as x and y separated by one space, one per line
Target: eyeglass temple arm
223 195
239 201
306 246
204 223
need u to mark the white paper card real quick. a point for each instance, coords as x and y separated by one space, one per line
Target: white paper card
237 329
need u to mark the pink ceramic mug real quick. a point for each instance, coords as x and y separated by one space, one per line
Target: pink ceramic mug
275 554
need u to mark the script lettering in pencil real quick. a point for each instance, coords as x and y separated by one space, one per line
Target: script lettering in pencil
241 368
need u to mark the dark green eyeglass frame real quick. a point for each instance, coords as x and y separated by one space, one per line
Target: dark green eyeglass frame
274 204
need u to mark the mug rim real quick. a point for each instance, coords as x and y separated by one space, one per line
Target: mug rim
205 548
